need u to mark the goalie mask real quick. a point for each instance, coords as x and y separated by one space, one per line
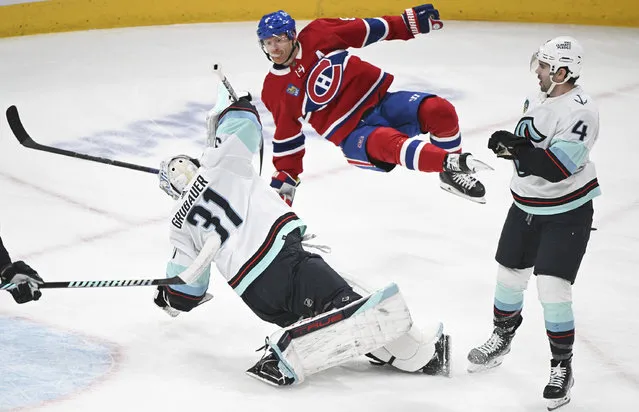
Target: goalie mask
563 51
176 173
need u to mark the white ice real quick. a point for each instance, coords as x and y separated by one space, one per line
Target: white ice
140 95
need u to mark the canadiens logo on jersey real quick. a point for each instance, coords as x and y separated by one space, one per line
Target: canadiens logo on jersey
324 80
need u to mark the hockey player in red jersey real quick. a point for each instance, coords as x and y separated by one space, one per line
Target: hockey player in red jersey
345 99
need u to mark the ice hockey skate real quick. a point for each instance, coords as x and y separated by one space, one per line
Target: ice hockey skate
557 392
463 185
440 362
491 354
267 370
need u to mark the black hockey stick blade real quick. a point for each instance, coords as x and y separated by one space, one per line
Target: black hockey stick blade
27 141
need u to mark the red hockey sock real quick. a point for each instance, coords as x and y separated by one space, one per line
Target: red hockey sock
391 146
438 117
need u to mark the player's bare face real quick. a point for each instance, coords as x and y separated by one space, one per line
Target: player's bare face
543 74
278 48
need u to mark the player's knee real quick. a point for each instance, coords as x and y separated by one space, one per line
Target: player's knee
385 145
552 289
438 117
515 279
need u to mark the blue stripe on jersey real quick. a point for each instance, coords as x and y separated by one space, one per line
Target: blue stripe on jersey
571 154
566 207
377 31
281 147
269 256
453 144
410 154
197 288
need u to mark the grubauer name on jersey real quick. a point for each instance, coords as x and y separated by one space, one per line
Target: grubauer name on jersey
325 85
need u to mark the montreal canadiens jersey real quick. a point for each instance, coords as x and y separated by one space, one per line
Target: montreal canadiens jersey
228 199
326 86
566 127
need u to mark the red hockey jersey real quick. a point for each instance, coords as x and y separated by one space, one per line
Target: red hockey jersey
325 85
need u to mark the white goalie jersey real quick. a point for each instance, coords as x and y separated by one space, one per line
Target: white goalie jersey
566 127
229 200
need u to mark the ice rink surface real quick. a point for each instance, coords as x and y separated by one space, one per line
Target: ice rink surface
141 94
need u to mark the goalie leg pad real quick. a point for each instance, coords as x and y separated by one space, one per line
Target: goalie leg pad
334 337
412 351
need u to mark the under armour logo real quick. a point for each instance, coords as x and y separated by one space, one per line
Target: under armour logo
581 101
308 302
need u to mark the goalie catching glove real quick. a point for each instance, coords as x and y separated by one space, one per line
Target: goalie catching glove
21 281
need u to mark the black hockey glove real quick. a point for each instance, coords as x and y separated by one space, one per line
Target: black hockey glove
506 145
173 302
25 279
243 104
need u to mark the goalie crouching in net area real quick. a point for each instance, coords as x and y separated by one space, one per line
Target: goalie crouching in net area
257 247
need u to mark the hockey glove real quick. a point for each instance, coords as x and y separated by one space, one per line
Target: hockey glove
422 19
506 145
285 186
463 163
174 302
25 279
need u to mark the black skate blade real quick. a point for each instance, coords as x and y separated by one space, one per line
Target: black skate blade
252 374
452 190
446 364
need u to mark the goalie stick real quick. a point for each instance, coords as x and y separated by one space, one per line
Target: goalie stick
190 275
176 280
26 140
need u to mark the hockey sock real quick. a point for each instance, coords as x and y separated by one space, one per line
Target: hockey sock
391 146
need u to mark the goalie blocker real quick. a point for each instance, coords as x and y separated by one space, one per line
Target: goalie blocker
378 322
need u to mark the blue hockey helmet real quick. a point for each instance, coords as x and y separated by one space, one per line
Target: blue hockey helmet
276 23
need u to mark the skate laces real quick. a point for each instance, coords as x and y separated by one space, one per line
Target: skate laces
493 344
464 180
557 376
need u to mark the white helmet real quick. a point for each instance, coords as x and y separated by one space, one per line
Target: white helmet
176 173
562 51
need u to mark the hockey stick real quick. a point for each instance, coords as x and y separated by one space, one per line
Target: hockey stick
218 70
27 141
176 280
190 275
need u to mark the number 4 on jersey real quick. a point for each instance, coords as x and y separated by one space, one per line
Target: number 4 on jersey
580 128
